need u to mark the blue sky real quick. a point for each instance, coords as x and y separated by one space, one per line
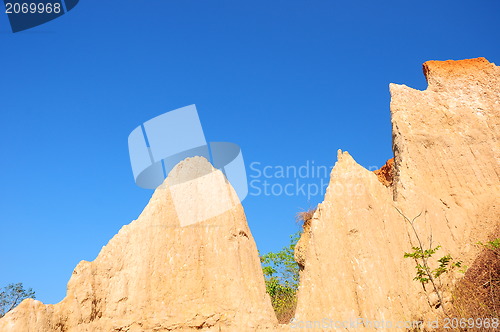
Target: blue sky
289 81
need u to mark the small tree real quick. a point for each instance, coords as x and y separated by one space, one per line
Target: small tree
281 274
422 256
12 295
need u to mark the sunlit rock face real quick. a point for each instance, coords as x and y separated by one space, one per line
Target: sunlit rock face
164 271
446 167
189 261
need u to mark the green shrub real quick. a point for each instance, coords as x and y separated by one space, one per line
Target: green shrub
281 274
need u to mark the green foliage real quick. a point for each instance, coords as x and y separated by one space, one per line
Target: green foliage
281 274
463 269
12 295
495 244
424 274
419 253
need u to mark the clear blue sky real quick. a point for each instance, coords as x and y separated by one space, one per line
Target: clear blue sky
289 81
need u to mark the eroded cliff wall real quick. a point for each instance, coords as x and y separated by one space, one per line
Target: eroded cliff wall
155 275
446 168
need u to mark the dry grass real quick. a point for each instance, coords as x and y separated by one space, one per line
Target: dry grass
286 311
304 217
477 295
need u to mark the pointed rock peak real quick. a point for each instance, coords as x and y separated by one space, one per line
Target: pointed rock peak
345 163
189 169
343 157
197 191
340 153
157 274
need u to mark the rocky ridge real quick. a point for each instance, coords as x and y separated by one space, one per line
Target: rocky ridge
155 275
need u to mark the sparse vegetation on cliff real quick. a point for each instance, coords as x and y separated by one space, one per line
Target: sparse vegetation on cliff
425 273
477 295
281 274
12 295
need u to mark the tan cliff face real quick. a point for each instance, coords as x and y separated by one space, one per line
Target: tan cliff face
446 166
158 274
155 275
